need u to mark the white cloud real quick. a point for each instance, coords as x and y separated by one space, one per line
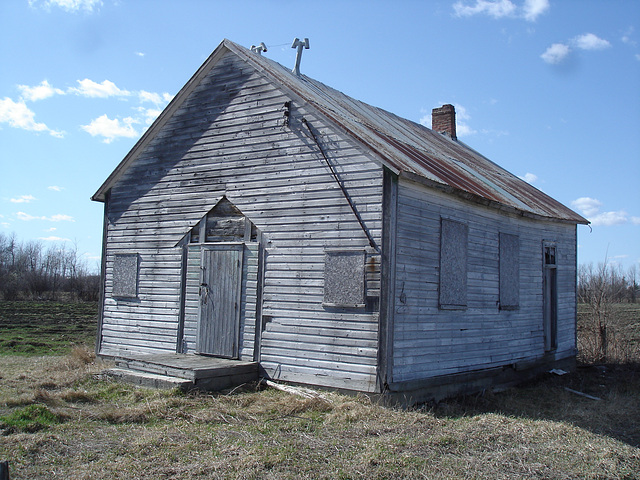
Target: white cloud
52 229
72 6
529 177
156 98
608 219
18 115
61 218
589 41
55 188
587 206
106 89
493 8
23 199
530 10
534 8
626 37
140 54
556 53
150 114
590 208
111 129
55 218
39 92
54 239
149 97
638 56
462 128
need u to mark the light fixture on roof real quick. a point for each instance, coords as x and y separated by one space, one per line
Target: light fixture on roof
259 49
299 45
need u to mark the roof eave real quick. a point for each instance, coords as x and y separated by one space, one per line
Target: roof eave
472 197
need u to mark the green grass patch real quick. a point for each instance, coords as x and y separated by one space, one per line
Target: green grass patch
29 419
46 328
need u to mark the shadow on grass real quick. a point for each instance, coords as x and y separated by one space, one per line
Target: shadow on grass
616 414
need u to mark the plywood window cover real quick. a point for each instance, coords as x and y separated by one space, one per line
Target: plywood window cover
125 275
509 274
453 264
344 278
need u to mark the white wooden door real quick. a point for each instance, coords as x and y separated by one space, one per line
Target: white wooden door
220 296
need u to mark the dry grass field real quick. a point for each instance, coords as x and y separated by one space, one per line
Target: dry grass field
58 419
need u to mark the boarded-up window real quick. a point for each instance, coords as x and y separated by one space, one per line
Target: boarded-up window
125 276
509 271
453 264
344 284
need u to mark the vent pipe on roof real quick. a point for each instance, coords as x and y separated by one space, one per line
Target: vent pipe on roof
299 45
443 120
259 48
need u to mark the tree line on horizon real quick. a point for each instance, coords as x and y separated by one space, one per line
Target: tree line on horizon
31 271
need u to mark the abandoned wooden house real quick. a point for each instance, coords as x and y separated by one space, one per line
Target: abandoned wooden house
269 219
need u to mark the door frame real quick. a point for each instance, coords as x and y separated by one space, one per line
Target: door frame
218 324
550 295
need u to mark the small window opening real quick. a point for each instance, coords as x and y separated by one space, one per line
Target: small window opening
549 255
224 223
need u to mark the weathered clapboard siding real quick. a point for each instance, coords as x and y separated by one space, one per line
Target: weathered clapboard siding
229 139
428 341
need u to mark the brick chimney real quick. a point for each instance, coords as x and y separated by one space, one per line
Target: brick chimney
443 120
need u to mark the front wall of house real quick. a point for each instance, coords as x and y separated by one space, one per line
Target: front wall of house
230 139
445 326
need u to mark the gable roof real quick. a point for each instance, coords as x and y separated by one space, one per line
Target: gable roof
405 147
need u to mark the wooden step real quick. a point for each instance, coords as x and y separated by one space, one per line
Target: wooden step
185 371
146 379
154 367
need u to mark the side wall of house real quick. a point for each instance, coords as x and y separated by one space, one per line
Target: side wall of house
430 339
231 137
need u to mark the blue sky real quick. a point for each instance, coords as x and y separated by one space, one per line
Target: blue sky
548 89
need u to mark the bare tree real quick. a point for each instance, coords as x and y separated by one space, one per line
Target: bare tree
599 288
29 270
633 283
593 292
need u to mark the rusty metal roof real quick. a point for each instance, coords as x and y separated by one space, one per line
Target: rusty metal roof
405 147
